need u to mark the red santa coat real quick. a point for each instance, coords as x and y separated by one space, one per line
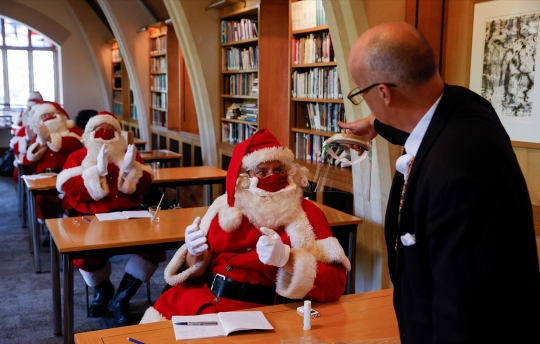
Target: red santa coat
320 266
88 193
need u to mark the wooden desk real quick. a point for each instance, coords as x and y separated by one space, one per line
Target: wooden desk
34 188
82 239
182 176
161 156
354 317
140 144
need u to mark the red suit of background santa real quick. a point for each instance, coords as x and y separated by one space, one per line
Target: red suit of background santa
104 177
56 138
238 225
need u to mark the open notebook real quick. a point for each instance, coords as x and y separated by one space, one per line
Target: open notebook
227 322
124 215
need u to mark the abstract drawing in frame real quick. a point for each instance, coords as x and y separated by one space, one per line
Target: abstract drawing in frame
504 63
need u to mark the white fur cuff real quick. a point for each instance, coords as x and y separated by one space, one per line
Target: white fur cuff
140 268
171 275
56 142
305 271
34 155
151 315
66 175
95 184
93 278
127 181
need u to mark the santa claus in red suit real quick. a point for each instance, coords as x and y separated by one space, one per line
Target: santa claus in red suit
260 244
105 176
55 139
20 140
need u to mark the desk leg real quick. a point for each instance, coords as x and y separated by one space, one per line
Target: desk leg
208 194
24 207
352 258
68 300
35 232
55 272
19 190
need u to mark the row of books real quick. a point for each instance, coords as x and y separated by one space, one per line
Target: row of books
158 64
322 83
117 96
238 30
159 100
243 111
159 117
244 84
133 112
307 14
158 82
158 45
315 47
236 132
117 109
324 116
309 146
236 59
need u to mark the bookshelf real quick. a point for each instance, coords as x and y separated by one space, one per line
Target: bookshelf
239 82
119 84
164 69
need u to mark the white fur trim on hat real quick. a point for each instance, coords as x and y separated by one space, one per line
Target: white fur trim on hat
98 119
140 268
93 278
152 315
283 154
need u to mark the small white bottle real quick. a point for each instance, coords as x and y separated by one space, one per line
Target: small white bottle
307 315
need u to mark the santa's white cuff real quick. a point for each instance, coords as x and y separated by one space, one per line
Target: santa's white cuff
297 286
171 273
127 181
56 142
35 154
95 184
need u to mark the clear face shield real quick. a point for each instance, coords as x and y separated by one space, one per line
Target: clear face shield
340 167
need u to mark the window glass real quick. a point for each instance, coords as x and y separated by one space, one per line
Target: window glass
18 77
1 36
2 98
39 40
16 33
44 73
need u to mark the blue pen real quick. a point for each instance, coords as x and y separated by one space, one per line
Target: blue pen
135 341
86 219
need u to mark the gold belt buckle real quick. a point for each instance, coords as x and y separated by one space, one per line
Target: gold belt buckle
216 276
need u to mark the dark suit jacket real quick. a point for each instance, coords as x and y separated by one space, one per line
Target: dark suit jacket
473 275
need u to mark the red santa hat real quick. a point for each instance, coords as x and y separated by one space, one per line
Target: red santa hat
260 147
43 107
34 98
100 118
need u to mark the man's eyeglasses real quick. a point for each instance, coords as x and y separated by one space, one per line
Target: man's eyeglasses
47 115
265 173
355 96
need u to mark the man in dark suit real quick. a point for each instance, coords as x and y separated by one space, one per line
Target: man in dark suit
459 228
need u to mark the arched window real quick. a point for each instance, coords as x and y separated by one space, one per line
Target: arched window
29 62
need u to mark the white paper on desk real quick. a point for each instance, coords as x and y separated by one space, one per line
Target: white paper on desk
37 176
124 215
227 322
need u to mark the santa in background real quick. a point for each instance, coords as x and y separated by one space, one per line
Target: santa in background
260 244
56 138
20 140
108 175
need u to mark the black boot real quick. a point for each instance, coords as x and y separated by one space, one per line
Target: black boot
103 292
119 304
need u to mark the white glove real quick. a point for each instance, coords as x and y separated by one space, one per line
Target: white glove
102 161
195 239
43 133
271 250
129 158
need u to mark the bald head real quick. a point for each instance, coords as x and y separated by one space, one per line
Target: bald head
393 52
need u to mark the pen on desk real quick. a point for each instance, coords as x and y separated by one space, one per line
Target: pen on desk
86 219
135 341
197 323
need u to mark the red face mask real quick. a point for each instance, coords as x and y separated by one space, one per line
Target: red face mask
273 183
104 134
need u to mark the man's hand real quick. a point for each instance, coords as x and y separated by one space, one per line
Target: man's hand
30 134
102 161
43 133
271 250
129 158
195 239
362 127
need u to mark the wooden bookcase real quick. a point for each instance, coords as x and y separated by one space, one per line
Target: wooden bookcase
164 69
119 84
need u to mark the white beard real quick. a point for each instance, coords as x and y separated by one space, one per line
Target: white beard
268 209
57 125
116 147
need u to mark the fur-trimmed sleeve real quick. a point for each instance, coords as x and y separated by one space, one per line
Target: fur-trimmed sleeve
139 179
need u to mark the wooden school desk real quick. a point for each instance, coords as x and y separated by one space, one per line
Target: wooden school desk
161 156
140 144
353 317
80 239
34 188
199 175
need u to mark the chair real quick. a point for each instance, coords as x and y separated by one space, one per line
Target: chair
83 116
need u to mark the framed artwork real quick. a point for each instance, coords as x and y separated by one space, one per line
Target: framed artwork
505 60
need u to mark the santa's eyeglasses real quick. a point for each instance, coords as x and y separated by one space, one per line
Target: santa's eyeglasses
47 115
263 173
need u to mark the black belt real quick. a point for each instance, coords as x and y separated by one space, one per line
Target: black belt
230 289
